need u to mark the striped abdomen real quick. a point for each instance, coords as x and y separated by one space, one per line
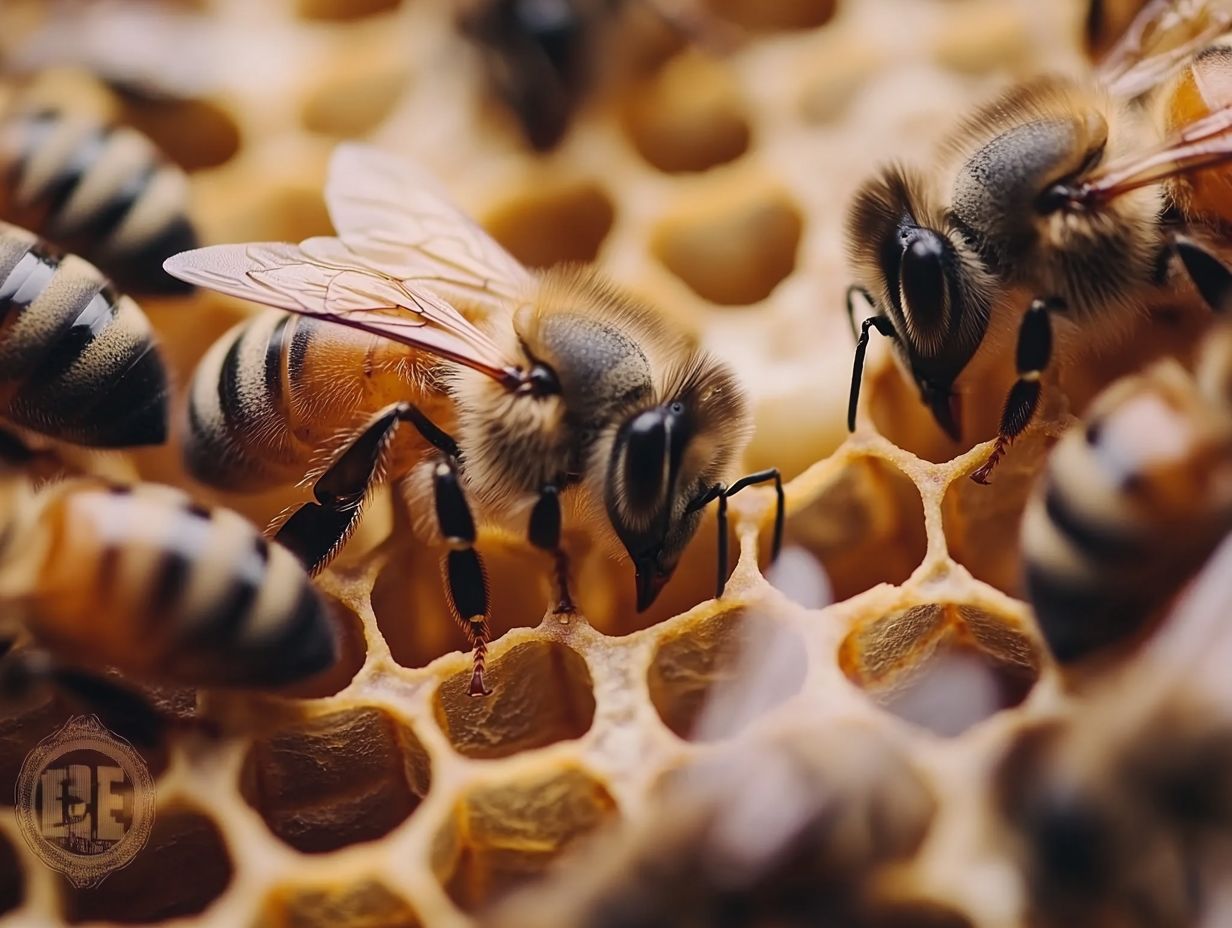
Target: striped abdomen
77 360
1128 509
145 580
278 393
101 191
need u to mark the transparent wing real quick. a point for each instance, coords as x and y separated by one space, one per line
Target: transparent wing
319 279
1162 39
394 218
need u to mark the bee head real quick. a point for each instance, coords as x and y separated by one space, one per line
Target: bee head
924 279
665 457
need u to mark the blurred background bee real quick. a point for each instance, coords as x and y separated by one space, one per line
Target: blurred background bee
543 58
567 396
78 360
139 579
1131 504
1052 213
1117 808
93 187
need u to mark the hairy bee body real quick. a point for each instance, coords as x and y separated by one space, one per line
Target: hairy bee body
1131 504
142 579
541 397
77 360
103 191
277 394
1055 210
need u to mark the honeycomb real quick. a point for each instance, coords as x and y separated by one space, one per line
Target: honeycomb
713 183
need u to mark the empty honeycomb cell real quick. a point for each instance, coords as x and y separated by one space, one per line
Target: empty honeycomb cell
557 222
606 593
543 694
689 117
941 666
865 524
12 885
352 649
337 779
343 10
181 870
413 615
775 14
360 904
732 245
692 665
195 134
356 100
503 836
955 688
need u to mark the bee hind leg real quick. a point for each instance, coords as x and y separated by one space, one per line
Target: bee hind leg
544 534
1034 353
466 581
317 530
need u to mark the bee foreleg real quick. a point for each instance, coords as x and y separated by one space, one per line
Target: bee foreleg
886 328
1211 277
316 531
852 292
1034 353
722 493
544 534
465 578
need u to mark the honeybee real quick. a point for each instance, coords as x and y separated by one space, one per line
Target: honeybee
1118 812
142 579
78 362
1056 206
543 58
101 190
1132 503
1117 828
557 385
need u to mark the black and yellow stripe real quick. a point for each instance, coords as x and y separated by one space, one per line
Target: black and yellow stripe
77 360
277 393
143 579
99 190
1129 507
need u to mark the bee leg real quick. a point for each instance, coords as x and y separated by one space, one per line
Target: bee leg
466 580
886 328
316 530
722 493
1034 353
1211 277
545 535
852 292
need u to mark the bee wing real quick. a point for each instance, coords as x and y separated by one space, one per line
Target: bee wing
1162 39
395 219
1204 143
318 279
